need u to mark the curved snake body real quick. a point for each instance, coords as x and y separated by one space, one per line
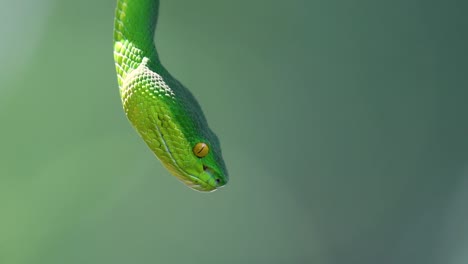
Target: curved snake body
162 110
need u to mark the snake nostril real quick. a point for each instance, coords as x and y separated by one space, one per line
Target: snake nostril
218 181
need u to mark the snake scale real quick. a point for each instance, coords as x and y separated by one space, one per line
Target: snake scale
163 112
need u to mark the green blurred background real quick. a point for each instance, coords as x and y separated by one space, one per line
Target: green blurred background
343 126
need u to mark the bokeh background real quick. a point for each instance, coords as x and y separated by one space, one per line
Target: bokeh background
343 126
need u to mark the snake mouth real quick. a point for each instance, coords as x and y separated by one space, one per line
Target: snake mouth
199 185
211 184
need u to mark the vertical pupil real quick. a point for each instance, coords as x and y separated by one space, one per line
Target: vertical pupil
201 149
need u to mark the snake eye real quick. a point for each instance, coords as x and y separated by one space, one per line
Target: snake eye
201 150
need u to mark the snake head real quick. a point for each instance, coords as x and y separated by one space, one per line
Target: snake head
203 169
171 122
205 166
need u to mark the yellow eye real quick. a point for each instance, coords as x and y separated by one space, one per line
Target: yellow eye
201 150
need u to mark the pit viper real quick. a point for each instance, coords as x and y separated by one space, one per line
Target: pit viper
164 112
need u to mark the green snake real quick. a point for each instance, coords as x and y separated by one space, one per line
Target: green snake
163 112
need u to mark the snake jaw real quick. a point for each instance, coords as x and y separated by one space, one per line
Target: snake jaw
206 180
190 180
213 182
199 185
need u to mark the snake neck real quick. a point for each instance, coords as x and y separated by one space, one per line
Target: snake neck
136 21
134 27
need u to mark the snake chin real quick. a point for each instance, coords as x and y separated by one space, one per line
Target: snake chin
208 181
199 185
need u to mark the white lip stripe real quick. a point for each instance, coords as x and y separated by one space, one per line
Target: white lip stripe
173 160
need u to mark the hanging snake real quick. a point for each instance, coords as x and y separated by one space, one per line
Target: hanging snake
163 112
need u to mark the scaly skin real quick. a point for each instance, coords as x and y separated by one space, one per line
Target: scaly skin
162 110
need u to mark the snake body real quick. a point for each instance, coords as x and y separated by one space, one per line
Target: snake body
164 112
